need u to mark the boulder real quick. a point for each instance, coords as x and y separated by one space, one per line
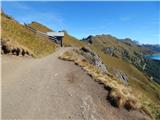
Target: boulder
89 39
115 98
93 59
5 48
121 76
109 50
23 52
8 48
17 51
14 51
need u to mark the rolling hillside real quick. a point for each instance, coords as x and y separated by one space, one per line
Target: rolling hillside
127 57
126 50
15 35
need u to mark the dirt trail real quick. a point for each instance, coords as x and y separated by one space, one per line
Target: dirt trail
50 88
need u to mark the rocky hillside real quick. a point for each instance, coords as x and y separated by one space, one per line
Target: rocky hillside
125 60
126 50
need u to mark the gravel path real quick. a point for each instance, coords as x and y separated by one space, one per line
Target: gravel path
49 88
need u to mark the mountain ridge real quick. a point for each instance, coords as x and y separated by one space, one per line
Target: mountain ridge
123 59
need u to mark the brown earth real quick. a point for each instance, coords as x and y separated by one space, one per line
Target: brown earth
49 88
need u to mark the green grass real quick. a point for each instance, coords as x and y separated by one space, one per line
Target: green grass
19 36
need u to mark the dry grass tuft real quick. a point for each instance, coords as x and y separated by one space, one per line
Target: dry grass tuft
119 94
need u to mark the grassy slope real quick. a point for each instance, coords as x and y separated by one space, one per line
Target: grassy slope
68 40
141 85
39 27
18 35
135 76
110 41
127 50
144 88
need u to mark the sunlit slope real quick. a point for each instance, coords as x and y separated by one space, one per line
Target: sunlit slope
127 56
125 62
136 78
127 50
18 36
69 40
39 27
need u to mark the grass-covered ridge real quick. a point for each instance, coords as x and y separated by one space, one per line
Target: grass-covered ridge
69 40
39 27
126 50
18 36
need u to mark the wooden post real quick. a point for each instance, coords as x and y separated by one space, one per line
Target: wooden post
61 39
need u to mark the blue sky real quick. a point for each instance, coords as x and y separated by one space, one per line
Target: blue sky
137 20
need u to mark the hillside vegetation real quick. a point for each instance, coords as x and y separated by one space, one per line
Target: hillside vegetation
126 50
17 35
39 27
69 40
127 57
120 95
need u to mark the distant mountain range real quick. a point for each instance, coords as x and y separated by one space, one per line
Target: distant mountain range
151 49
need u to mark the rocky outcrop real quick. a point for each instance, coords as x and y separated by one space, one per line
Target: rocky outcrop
93 59
119 95
113 51
121 76
18 51
5 49
89 39
109 50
